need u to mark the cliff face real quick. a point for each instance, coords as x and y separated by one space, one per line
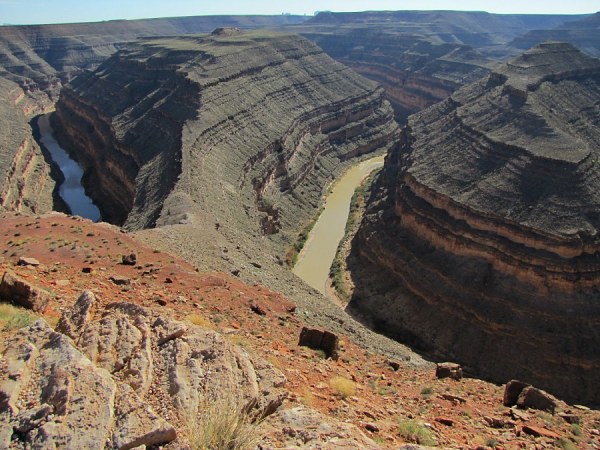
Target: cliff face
42 57
486 223
239 129
415 71
421 57
26 183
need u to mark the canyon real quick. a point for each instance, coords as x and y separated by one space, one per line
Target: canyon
486 222
210 145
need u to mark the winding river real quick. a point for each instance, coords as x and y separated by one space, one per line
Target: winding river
70 190
319 251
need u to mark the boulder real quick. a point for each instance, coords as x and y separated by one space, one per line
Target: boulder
512 390
129 260
531 397
525 396
448 370
540 432
320 340
18 291
25 261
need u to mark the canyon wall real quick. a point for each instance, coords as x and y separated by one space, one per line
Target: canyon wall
26 178
43 57
481 243
583 33
236 130
421 57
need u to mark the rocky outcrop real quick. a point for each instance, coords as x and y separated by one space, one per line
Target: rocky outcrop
122 377
243 130
486 222
306 428
18 291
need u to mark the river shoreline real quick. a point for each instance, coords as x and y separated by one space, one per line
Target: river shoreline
314 261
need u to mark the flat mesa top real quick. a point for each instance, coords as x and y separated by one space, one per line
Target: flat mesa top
547 61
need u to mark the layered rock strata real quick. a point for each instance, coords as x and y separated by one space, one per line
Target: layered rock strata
42 57
415 70
583 33
26 177
421 57
241 130
486 225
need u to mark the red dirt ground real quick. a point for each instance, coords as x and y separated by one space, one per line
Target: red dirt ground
383 400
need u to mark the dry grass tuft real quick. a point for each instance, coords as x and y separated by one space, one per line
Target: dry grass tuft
343 386
199 320
221 424
413 431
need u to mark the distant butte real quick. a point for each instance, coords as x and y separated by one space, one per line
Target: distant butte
487 216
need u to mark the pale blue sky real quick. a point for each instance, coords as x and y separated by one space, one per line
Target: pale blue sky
53 11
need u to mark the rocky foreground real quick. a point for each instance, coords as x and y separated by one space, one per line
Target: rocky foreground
486 224
128 342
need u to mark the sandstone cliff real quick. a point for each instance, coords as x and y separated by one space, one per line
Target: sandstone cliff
241 130
486 223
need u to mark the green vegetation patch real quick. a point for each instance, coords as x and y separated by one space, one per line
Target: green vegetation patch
413 431
13 318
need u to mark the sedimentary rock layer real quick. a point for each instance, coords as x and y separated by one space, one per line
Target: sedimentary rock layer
414 71
42 57
25 175
421 57
583 33
487 219
241 129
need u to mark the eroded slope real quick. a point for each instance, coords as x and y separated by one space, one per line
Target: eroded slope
239 130
421 57
488 219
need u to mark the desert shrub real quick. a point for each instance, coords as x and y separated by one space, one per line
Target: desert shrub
343 386
427 391
413 431
307 398
13 318
221 424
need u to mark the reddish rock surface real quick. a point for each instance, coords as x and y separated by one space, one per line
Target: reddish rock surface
383 398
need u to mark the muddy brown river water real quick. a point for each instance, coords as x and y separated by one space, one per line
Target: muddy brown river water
318 253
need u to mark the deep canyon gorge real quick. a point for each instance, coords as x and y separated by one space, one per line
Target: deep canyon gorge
219 139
